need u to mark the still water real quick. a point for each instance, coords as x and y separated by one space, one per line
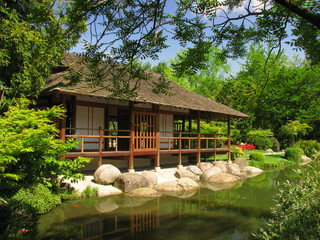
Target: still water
205 214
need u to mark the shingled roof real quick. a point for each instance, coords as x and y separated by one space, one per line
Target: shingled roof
180 97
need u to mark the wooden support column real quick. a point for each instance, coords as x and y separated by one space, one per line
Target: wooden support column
229 140
64 104
180 146
198 138
100 146
157 160
131 144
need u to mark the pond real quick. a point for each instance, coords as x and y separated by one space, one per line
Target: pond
205 214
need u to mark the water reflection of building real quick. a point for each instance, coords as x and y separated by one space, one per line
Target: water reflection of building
141 221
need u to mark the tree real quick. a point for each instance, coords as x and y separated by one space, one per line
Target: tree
273 92
33 37
295 129
126 30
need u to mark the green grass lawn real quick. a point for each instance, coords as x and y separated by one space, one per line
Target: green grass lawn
271 161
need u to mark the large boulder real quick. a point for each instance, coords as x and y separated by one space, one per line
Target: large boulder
209 172
151 178
144 192
194 169
223 178
182 184
183 173
106 174
241 162
130 181
233 168
205 165
222 165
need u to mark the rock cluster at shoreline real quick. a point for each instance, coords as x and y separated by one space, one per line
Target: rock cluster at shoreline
170 181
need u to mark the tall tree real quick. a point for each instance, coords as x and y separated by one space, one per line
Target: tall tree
274 92
33 37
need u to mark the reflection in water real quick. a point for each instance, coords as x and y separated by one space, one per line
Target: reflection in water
206 214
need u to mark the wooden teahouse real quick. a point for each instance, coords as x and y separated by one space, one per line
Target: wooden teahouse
148 130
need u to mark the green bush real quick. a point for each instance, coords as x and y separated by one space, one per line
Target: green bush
38 197
257 156
262 143
296 214
293 154
30 148
309 147
236 152
275 144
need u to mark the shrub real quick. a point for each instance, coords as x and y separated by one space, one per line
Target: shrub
30 149
257 156
275 144
236 152
38 197
262 143
297 210
309 147
293 154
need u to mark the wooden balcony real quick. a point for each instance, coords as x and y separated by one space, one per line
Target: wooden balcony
104 143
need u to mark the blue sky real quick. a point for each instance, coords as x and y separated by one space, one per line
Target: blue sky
174 46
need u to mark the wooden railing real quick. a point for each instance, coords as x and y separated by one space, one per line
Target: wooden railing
104 140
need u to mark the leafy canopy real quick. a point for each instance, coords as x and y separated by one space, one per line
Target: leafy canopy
33 37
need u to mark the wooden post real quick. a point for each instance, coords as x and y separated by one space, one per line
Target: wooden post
180 157
229 140
131 146
63 134
100 146
215 147
157 160
198 139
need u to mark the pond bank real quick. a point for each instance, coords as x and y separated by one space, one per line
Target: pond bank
215 176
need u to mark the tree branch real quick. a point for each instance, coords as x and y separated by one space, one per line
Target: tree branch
307 15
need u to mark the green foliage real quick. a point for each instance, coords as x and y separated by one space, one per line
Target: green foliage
294 129
38 197
18 221
260 138
297 211
309 147
294 154
275 144
30 150
90 192
236 152
272 90
34 36
257 156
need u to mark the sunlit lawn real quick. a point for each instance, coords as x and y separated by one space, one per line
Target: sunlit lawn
271 161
